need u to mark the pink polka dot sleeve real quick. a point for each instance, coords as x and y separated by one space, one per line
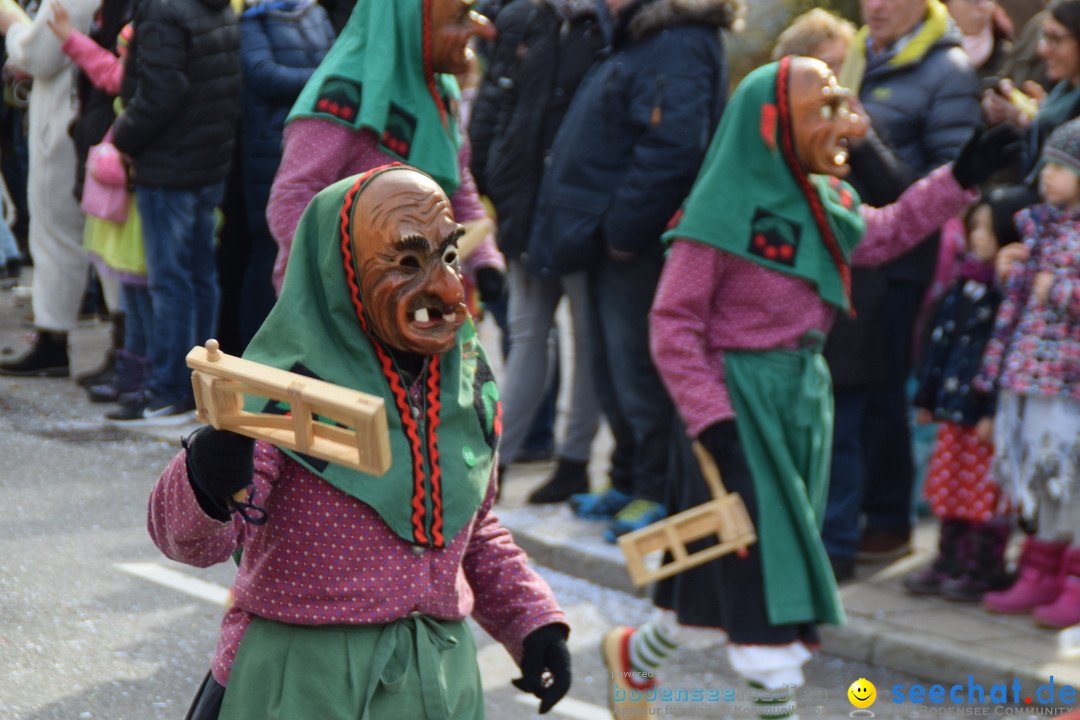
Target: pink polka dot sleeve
678 335
923 208
180 528
515 600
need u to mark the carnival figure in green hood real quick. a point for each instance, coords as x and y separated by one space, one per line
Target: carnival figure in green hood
385 93
759 266
352 590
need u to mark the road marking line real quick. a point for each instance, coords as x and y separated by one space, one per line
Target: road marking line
176 581
569 708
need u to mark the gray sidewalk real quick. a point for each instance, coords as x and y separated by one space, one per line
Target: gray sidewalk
927 637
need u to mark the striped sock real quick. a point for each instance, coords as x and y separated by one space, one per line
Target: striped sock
774 704
649 647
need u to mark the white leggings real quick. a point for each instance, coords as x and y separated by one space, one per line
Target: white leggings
773 666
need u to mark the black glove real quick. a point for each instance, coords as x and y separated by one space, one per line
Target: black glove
219 463
491 283
987 152
544 649
719 439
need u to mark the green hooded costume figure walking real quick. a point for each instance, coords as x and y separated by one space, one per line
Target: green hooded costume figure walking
759 266
352 590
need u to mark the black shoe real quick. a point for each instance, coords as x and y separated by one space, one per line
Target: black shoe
106 393
928 581
843 568
971 588
883 545
104 374
154 412
47 357
131 408
571 477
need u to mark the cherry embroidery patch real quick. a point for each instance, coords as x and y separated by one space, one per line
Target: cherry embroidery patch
339 98
774 238
397 136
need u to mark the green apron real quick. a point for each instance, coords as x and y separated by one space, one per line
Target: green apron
415 668
784 415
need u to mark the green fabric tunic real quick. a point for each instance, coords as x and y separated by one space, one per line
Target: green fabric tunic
416 667
784 405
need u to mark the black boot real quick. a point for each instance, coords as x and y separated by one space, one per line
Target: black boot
949 563
985 571
571 477
106 372
130 377
47 357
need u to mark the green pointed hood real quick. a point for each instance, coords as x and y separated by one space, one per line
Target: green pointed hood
378 75
753 199
442 459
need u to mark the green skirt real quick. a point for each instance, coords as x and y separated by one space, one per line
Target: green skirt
417 667
784 409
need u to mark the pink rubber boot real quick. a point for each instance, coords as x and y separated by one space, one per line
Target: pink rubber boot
1065 610
1039 581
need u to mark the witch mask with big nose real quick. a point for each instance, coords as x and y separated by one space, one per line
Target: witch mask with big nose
404 239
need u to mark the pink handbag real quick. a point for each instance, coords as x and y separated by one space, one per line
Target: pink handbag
105 193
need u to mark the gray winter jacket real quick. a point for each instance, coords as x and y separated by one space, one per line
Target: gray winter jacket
924 103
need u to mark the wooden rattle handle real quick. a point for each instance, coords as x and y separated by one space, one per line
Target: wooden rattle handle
709 470
330 422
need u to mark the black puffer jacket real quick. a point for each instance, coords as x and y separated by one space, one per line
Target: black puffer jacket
181 93
542 51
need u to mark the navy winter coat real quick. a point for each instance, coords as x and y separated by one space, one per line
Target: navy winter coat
281 44
636 132
924 109
963 324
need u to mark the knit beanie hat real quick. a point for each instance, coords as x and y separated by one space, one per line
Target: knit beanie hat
1063 146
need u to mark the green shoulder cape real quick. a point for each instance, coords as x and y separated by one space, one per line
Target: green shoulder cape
378 76
442 458
752 199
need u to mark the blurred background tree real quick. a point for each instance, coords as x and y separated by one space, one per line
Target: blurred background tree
765 19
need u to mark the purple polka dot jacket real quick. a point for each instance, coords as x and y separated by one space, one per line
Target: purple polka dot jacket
324 557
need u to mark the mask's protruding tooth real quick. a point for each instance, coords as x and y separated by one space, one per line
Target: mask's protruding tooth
421 315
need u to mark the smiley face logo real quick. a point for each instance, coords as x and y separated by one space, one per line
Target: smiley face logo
862 693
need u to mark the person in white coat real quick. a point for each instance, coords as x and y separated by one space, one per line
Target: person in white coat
56 220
